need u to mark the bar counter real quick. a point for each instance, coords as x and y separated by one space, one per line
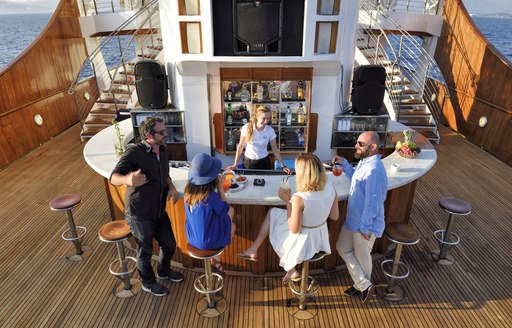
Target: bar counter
251 203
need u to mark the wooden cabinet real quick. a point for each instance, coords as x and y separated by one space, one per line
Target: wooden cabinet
174 125
347 127
244 89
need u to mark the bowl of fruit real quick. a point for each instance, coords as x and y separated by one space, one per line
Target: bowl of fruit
241 179
408 148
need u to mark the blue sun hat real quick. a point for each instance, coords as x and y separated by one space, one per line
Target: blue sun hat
204 169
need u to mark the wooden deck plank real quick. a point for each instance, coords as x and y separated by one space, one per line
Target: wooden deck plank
38 287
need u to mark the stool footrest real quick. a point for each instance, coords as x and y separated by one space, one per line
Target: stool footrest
80 231
312 287
440 236
396 276
120 273
200 284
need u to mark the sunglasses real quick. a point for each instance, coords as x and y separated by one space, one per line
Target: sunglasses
162 132
361 144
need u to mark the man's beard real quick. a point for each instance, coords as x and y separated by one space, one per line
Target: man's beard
360 154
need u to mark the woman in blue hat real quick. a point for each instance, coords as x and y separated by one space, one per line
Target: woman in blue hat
209 217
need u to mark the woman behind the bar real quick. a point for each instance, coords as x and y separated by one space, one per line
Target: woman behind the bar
256 135
300 231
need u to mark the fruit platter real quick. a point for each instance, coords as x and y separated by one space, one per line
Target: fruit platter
408 148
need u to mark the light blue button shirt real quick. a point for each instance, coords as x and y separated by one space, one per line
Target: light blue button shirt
368 188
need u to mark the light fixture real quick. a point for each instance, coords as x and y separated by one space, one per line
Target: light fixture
87 96
257 3
38 119
482 122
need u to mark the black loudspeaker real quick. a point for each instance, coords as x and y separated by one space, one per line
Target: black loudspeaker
257 28
368 86
151 83
240 28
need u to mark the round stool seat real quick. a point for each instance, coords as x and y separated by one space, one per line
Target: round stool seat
65 202
114 231
317 257
203 254
402 233
455 206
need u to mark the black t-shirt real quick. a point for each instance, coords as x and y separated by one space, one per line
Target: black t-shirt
146 202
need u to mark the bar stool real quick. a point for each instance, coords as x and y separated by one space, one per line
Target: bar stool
400 234
447 238
304 289
75 233
117 232
208 284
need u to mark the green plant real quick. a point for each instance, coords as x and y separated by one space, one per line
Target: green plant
120 137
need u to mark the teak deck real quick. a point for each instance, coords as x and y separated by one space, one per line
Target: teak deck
39 287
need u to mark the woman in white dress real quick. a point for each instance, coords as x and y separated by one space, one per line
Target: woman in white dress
300 231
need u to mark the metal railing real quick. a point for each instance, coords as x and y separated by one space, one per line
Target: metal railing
109 63
96 7
405 57
428 7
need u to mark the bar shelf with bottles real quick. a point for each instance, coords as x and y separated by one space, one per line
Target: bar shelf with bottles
288 101
347 127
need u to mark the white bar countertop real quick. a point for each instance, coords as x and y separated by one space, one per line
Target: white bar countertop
99 153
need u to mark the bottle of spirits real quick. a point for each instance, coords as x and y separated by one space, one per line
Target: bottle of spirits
301 138
282 140
287 94
259 92
230 143
300 90
273 91
229 114
288 116
273 116
229 93
244 94
300 114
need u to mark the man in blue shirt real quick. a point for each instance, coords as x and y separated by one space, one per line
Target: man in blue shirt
365 212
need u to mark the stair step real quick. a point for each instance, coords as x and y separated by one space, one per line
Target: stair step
91 131
103 111
103 120
148 56
407 91
415 112
159 48
118 91
418 125
411 102
128 72
124 82
112 101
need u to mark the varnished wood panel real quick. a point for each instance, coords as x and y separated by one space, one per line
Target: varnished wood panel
479 80
37 81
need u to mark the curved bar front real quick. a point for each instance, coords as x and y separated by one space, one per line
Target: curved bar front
252 202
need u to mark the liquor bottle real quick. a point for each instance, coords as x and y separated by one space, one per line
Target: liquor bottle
229 114
230 144
229 93
244 94
259 92
273 91
288 116
300 90
287 94
300 114
282 140
273 116
301 138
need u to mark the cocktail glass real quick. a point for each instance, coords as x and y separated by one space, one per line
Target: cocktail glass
336 171
285 186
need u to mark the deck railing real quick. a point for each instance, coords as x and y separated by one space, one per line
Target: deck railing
428 7
109 63
96 7
408 59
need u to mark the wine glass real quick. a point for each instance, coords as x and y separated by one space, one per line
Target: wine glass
336 171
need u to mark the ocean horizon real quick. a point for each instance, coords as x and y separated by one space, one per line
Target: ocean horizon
18 31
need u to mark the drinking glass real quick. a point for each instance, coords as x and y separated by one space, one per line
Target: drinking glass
336 171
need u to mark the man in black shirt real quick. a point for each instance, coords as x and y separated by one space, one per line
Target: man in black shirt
144 168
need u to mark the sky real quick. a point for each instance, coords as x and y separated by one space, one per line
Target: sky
22 6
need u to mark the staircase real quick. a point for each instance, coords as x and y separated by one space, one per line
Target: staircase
104 91
413 76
